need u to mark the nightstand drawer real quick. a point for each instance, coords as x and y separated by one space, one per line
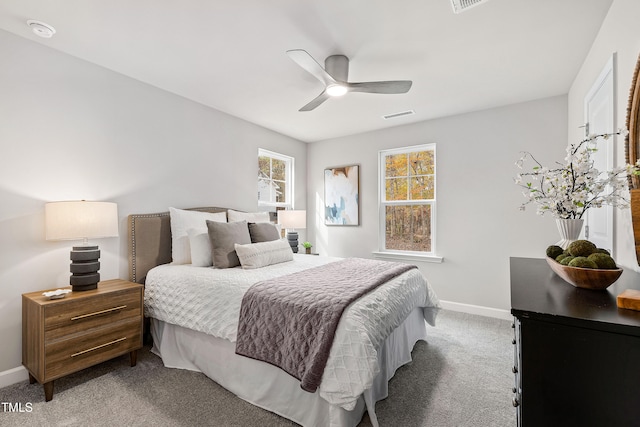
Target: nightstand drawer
98 345
70 317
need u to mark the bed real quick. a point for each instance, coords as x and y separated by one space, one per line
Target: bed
192 329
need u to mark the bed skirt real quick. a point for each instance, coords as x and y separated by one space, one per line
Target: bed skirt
269 387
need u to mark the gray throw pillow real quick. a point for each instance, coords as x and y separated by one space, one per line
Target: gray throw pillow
223 237
263 232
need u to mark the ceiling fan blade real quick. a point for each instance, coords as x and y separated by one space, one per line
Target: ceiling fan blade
316 101
306 61
394 86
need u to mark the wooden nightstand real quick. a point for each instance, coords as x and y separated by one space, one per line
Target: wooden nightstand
66 335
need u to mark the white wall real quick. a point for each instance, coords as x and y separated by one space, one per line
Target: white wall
479 225
619 34
71 130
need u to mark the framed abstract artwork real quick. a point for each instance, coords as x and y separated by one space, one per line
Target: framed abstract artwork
342 195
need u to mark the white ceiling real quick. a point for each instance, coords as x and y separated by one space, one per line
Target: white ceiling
230 55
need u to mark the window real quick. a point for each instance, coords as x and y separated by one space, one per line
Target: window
408 199
275 179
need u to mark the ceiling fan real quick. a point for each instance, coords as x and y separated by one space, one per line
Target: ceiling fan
334 77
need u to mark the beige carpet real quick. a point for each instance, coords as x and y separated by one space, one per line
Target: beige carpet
461 377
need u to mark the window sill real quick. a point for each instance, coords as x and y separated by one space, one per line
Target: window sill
407 257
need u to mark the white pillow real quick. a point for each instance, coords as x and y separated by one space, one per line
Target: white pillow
256 255
200 246
248 216
183 220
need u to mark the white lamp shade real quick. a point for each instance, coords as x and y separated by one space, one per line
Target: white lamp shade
79 220
292 219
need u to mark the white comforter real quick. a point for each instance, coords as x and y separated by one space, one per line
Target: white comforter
208 300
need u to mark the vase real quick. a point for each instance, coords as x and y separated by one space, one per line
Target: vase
569 231
308 251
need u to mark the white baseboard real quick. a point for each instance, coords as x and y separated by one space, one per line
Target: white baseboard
477 309
13 376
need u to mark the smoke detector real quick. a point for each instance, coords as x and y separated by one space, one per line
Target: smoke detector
462 5
41 29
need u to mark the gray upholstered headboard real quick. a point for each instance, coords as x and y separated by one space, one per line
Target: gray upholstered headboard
150 241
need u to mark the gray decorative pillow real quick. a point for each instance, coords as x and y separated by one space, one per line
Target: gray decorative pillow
223 237
263 232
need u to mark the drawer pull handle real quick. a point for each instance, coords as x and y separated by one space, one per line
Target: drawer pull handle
97 313
98 347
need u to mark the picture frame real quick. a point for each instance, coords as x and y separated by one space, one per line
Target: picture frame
342 195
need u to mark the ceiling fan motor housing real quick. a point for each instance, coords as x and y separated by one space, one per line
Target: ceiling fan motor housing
338 67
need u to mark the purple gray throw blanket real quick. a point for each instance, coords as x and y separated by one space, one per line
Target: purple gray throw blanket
290 321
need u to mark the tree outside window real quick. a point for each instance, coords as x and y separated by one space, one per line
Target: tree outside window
407 201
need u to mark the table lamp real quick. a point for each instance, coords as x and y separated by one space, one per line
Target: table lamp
82 220
290 220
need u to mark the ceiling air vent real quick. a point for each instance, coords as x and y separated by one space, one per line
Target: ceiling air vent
400 114
462 5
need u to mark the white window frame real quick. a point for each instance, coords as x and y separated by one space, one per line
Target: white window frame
289 179
383 203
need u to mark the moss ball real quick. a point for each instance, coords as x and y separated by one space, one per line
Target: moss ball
602 251
553 251
582 248
582 262
562 256
602 260
566 260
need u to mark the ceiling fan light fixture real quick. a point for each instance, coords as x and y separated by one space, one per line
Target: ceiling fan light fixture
41 29
336 90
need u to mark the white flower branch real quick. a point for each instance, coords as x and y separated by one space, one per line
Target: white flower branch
572 188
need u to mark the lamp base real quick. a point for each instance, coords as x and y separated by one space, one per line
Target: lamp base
79 288
84 268
292 237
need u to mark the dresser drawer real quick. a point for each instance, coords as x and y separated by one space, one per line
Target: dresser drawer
83 350
70 317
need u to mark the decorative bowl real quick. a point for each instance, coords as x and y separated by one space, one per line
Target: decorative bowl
587 278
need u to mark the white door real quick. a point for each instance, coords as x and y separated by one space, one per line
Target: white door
600 118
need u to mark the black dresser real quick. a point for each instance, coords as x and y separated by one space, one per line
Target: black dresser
577 356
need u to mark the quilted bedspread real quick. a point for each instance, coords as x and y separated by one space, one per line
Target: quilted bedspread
290 321
208 300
